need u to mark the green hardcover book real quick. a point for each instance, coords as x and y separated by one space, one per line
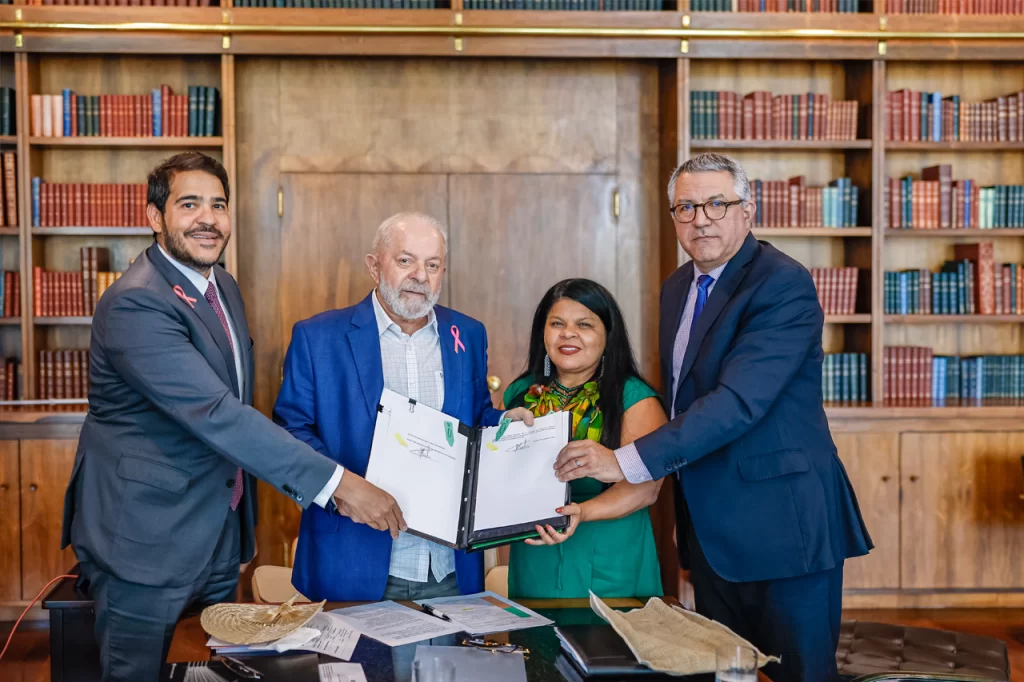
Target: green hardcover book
80 105
212 96
193 101
201 111
94 115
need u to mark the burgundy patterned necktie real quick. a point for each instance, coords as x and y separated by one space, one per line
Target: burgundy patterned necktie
211 297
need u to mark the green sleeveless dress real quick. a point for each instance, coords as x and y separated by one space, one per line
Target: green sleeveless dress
615 558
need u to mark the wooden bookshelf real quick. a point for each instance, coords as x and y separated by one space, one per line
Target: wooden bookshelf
615 86
1001 233
62 321
136 142
10 321
701 145
91 232
836 232
954 319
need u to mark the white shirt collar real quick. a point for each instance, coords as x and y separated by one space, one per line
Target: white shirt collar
384 322
715 274
198 281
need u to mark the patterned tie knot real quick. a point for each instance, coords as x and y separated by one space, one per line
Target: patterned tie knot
704 281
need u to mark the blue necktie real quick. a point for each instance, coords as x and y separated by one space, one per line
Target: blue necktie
703 282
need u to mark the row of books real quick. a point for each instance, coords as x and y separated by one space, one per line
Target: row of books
9 190
555 5
939 202
88 205
63 374
791 203
915 116
8 117
723 115
844 378
837 289
9 379
774 6
1013 7
70 294
159 114
915 374
10 294
954 290
122 3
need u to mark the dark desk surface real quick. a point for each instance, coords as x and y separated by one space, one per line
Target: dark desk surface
385 664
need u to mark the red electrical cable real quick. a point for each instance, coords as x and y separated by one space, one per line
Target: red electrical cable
18 622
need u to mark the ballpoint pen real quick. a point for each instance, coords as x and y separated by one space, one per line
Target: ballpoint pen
436 612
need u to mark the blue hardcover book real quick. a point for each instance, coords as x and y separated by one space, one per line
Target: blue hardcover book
67 112
936 117
37 184
158 113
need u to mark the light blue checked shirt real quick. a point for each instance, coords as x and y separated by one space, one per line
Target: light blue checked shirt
413 368
632 466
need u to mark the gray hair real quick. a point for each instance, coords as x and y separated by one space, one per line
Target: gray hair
382 238
710 162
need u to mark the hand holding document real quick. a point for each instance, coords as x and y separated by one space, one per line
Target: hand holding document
468 488
486 612
393 624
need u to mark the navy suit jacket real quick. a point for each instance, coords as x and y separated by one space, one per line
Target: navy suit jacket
759 474
333 380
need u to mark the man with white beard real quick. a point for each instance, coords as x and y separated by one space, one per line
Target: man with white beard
338 363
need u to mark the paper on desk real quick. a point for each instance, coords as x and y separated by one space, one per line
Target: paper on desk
394 624
342 672
486 612
516 480
337 638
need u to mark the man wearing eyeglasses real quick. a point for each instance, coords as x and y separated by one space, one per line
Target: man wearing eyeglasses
766 515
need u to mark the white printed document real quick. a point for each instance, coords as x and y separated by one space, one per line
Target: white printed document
486 612
393 624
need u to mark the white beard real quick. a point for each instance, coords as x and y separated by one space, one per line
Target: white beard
405 309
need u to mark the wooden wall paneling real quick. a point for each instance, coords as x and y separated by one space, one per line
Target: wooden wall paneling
448 116
45 470
674 129
10 522
486 266
962 516
30 164
259 148
878 81
227 132
872 464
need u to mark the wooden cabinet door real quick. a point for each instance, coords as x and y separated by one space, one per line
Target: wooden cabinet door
10 526
872 463
45 471
962 515
329 223
512 237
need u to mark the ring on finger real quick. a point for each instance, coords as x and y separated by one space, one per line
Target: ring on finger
578 463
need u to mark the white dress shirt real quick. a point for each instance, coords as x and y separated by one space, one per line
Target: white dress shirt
413 368
633 468
201 283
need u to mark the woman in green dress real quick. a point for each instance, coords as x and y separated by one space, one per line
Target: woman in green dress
580 360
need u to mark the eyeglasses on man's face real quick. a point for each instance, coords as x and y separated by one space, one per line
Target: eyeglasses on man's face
686 211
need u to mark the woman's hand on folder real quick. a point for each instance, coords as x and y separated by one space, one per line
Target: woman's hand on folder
364 502
550 536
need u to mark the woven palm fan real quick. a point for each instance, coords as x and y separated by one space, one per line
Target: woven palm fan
256 623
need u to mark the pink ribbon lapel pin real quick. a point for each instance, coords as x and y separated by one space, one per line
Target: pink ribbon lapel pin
180 293
458 341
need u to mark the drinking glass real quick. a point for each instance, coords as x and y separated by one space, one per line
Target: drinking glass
735 663
431 669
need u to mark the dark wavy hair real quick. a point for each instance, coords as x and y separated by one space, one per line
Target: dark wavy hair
619 362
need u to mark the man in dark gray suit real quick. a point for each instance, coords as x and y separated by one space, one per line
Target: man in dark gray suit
161 506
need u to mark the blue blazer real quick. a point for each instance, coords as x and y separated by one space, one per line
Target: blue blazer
760 478
332 383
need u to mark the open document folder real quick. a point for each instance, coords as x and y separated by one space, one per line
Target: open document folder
468 488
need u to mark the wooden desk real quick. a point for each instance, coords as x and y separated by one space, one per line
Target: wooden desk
384 664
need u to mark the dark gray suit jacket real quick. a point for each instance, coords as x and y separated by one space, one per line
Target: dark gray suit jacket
153 475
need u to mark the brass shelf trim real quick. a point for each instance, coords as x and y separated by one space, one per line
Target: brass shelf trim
542 31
